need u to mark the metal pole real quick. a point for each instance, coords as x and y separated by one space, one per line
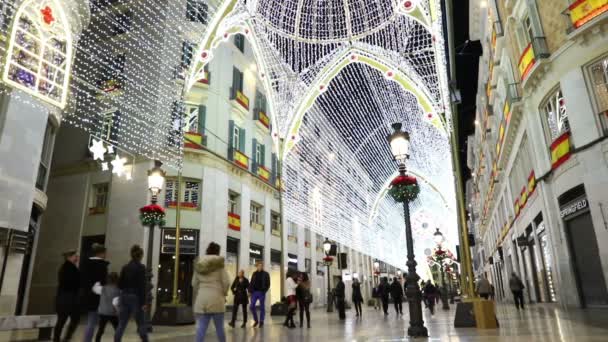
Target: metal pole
149 276
329 296
177 242
282 224
414 295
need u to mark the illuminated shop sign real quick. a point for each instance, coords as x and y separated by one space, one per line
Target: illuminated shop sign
574 207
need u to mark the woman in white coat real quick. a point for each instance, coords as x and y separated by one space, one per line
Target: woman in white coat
210 284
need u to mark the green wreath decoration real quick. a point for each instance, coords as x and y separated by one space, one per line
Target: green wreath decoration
152 214
404 189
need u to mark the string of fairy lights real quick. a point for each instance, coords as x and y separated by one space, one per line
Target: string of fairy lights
127 89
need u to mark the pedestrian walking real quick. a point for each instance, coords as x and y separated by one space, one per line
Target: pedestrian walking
483 287
108 303
210 283
66 300
132 300
492 292
517 288
93 270
376 297
304 297
385 290
397 295
259 285
292 302
340 293
357 296
239 289
431 294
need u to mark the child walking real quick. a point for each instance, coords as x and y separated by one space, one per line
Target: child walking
108 304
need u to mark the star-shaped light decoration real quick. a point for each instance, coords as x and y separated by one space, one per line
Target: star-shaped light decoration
104 166
110 149
118 165
98 150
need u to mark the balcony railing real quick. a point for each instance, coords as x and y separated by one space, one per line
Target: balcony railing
239 158
583 11
194 140
535 51
239 97
513 93
261 117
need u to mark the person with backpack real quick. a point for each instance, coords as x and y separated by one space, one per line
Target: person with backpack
304 297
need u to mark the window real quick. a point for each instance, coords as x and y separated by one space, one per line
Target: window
292 231
99 199
556 115
237 81
45 157
275 223
236 143
528 28
189 193
192 119
232 203
259 154
599 79
239 42
260 101
196 11
255 213
39 57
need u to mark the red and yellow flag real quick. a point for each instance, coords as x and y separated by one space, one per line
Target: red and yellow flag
583 11
263 173
531 183
560 150
526 61
241 159
234 221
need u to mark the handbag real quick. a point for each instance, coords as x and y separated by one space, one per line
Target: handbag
308 297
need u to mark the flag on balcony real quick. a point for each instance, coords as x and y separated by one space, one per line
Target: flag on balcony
560 150
234 221
583 11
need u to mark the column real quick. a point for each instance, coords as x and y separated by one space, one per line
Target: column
214 209
245 204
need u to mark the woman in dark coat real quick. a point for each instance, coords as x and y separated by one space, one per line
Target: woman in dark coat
397 294
66 302
304 297
357 296
239 289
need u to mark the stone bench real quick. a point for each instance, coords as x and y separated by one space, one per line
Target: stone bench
44 324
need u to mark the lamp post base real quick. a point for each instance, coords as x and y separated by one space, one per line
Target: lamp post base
417 331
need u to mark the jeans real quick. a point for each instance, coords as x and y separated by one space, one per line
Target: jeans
261 297
203 324
103 321
62 318
89 330
518 296
130 306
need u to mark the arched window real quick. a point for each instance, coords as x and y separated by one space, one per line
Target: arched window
40 51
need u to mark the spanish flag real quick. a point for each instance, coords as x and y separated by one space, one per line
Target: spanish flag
516 207
531 183
560 150
234 221
526 61
583 11
524 196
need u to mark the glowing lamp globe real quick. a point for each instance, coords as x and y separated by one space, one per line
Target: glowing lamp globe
156 178
400 143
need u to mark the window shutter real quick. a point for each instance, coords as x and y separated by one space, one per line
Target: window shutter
202 113
235 82
242 140
263 156
230 139
254 157
273 164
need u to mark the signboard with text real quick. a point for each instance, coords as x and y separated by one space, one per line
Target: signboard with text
188 241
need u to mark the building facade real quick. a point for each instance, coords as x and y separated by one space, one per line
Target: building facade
538 155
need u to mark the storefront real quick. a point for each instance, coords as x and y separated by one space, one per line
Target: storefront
232 263
275 276
547 262
256 253
188 251
582 242
292 261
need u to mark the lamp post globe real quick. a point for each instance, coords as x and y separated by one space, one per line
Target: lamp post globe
438 237
156 180
326 246
400 143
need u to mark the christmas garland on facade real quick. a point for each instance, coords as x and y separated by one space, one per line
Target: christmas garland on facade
152 214
404 189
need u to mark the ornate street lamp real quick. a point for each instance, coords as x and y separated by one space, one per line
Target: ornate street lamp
327 261
151 216
400 144
439 239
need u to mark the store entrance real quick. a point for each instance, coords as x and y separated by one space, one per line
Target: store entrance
164 293
586 261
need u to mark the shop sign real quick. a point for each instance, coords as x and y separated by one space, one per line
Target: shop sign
292 258
256 252
346 275
522 241
574 207
188 241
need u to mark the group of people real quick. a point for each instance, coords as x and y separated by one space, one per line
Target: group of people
395 290
486 290
107 297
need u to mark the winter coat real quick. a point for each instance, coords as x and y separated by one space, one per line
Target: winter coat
239 290
66 301
260 282
106 300
396 291
357 296
93 270
303 292
484 286
515 284
340 291
133 281
210 284
385 290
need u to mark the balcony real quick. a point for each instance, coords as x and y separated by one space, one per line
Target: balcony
194 140
234 221
240 98
261 119
513 93
41 177
239 158
263 173
582 12
529 58
257 226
